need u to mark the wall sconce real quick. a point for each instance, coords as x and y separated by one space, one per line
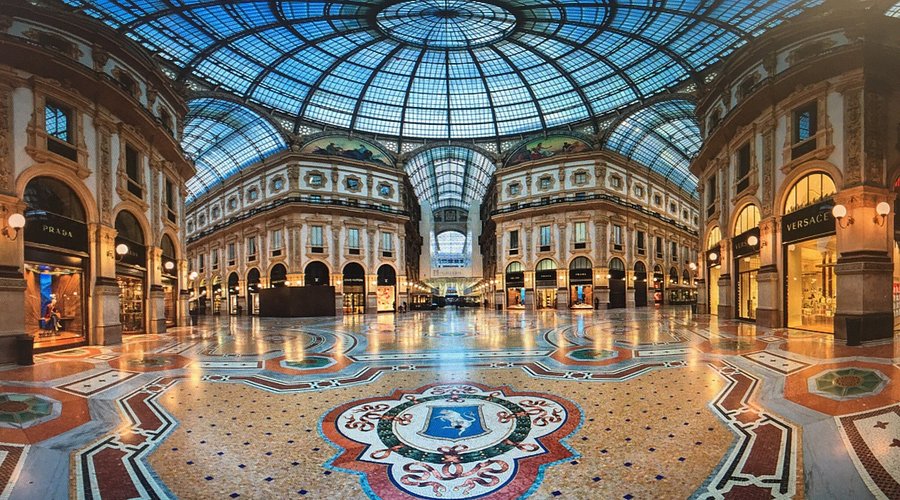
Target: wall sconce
14 224
713 257
840 213
692 266
169 265
121 250
193 275
882 209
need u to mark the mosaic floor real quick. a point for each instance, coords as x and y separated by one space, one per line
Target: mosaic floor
457 404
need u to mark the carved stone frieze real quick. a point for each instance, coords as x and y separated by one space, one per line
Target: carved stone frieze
768 172
852 137
874 140
6 173
104 140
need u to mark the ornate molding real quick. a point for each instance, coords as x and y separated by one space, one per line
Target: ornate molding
852 136
6 169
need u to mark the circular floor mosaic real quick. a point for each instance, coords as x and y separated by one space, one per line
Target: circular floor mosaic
451 440
848 383
24 409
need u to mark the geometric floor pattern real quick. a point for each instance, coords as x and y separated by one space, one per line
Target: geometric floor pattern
646 403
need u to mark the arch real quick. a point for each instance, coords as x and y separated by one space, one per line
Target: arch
547 146
797 173
616 264
130 228
745 219
135 211
349 147
316 273
233 281
277 276
253 276
685 277
168 247
808 189
657 269
546 265
673 275
713 237
52 195
581 262
640 268
450 176
355 269
515 267
69 179
387 276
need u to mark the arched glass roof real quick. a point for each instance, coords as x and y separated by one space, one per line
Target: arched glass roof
222 137
663 136
450 176
437 69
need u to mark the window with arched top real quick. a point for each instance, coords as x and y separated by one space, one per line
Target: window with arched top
747 219
581 263
515 267
715 236
810 189
546 265
616 264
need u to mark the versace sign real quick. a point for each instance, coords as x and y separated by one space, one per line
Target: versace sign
812 221
741 247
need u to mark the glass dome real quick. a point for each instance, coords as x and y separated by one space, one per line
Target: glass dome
438 69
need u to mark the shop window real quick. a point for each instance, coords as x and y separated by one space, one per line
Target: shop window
809 190
251 248
316 239
514 242
545 239
133 171
811 284
617 237
277 242
580 235
743 168
805 126
253 194
353 241
171 213
641 243
387 244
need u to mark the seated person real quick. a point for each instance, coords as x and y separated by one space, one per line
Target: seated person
52 317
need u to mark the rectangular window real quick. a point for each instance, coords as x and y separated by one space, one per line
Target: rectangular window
805 128
316 180
580 178
659 247
202 264
251 248
133 171
673 251
316 239
743 168
387 244
641 243
353 241
215 259
617 237
231 254
171 214
545 238
580 235
277 242
514 242
57 122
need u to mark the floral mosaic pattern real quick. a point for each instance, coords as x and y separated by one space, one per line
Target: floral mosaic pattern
849 383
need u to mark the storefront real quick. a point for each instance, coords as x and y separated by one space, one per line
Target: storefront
581 284
56 265
745 250
131 273
515 286
169 281
253 292
234 295
616 277
713 271
640 284
659 285
202 296
316 274
278 276
810 254
386 292
354 289
217 295
545 288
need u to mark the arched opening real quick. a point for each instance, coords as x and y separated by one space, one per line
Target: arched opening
316 274
56 260
253 291
745 251
217 295
545 287
515 285
713 269
278 276
810 254
640 284
659 284
616 283
581 283
354 289
169 279
386 293
234 295
131 272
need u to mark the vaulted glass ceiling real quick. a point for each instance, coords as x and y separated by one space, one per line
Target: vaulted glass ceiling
663 137
438 69
222 137
450 176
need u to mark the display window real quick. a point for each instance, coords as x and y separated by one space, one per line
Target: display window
354 289
581 289
54 303
385 298
131 303
747 268
171 300
811 286
545 298
581 296
515 298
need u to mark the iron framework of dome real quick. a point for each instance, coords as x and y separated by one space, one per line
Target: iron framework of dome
439 69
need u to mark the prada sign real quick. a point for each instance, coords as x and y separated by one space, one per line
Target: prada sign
812 221
739 245
581 276
56 231
515 280
548 275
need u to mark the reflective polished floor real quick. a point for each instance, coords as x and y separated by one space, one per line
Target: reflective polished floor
652 403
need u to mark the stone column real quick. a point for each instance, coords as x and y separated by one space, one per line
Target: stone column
864 267
156 300
12 281
770 293
107 328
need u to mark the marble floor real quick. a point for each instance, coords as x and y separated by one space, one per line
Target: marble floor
651 403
